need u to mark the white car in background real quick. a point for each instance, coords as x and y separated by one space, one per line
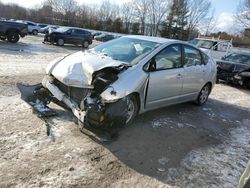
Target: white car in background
216 48
33 28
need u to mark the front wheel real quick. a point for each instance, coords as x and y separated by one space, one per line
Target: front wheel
203 95
132 108
34 32
13 37
3 38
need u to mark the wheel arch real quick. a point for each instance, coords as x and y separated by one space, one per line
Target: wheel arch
137 96
12 30
210 84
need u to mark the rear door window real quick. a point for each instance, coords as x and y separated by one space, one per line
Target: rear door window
192 56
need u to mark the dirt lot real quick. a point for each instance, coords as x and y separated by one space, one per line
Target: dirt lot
178 146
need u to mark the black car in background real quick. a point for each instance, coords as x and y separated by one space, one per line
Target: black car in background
104 37
69 35
235 68
12 31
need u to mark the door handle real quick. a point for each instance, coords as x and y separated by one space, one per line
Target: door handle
179 76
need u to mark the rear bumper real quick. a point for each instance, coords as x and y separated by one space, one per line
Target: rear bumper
47 38
24 32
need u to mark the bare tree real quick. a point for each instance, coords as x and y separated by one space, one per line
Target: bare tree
158 10
243 13
108 10
141 12
198 12
127 15
209 23
63 6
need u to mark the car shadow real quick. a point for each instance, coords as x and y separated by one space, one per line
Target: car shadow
159 140
236 86
24 49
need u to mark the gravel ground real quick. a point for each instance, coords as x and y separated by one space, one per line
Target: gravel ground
178 146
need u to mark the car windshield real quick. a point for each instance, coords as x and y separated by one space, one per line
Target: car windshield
238 58
62 29
126 49
208 44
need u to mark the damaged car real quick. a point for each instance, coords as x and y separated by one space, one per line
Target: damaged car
235 68
110 84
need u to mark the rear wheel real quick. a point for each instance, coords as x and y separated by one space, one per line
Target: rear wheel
203 95
13 37
85 44
60 42
132 107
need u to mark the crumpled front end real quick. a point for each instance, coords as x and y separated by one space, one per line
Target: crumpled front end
233 72
79 86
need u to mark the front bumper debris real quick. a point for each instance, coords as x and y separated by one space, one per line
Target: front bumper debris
91 111
59 95
36 97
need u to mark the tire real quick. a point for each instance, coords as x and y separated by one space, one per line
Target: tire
203 95
52 38
132 106
13 37
34 32
85 44
60 42
3 38
246 83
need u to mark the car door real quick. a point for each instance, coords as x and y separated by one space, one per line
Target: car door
68 36
165 77
195 72
77 36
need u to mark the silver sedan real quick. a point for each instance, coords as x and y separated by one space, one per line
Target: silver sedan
113 82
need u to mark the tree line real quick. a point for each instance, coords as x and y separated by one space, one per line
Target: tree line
179 19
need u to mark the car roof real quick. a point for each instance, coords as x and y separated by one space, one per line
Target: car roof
207 39
152 39
74 28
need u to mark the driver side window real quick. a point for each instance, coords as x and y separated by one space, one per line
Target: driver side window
168 58
69 31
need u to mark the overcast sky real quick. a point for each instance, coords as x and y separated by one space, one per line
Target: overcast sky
224 10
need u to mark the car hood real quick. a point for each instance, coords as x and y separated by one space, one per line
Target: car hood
76 70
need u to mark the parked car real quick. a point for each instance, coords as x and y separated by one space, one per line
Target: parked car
68 35
94 34
33 28
42 25
104 37
113 82
235 68
216 48
12 31
48 29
